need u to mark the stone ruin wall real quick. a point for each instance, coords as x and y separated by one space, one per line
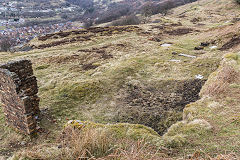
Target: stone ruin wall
18 95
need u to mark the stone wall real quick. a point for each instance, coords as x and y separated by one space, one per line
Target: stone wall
18 95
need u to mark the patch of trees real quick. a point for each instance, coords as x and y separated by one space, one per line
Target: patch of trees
6 44
82 3
113 13
127 20
238 1
152 8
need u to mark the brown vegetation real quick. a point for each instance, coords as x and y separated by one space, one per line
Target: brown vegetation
94 144
220 86
179 31
81 35
233 42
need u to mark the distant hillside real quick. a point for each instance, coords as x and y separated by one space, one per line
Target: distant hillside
99 11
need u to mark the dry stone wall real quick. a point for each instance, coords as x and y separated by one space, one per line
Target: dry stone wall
18 95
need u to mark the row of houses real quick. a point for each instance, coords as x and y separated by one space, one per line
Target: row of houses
25 34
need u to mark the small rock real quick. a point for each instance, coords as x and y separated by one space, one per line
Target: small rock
199 76
156 39
205 44
23 143
186 55
213 47
199 48
174 60
174 53
166 45
59 146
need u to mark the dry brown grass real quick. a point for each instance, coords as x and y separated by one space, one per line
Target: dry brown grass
91 143
94 144
220 84
202 156
99 144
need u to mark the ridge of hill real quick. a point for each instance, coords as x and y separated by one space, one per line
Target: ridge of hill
179 76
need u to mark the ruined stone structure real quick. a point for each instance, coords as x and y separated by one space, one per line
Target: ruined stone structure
18 95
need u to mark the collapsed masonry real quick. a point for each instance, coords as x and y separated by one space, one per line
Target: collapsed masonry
18 95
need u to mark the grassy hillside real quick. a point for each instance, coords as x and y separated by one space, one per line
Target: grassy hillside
142 74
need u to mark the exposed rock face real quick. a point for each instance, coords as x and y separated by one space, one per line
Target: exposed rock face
18 95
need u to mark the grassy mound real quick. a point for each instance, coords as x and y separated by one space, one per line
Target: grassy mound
212 123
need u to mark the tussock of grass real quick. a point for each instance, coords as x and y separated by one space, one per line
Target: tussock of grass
219 84
97 141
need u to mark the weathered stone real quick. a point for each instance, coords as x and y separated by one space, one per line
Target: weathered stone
18 95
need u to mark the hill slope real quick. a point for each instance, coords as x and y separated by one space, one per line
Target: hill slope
142 74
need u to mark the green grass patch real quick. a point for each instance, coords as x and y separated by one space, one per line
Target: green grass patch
41 67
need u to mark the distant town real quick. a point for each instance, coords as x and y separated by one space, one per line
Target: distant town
21 22
23 35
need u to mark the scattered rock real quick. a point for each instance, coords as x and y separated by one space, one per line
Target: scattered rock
156 39
23 143
166 45
174 60
194 20
199 76
205 44
199 48
202 45
186 55
236 20
213 47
